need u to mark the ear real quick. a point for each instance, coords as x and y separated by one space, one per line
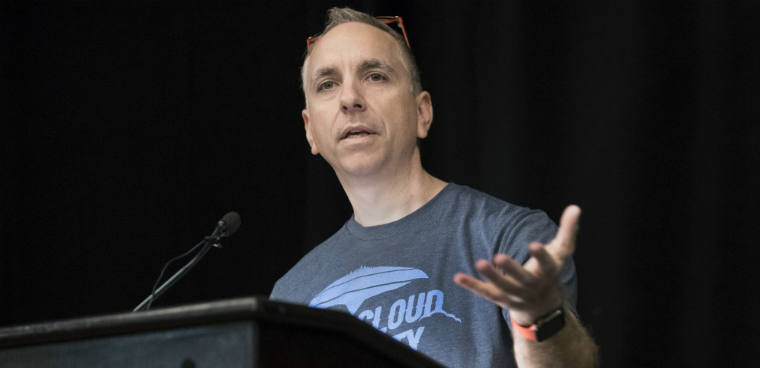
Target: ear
424 114
309 135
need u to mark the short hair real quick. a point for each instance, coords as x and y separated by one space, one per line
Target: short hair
337 16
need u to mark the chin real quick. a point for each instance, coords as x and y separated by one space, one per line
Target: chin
361 170
363 166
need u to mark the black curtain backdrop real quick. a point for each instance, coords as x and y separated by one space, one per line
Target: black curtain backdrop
129 128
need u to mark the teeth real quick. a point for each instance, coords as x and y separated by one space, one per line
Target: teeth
361 132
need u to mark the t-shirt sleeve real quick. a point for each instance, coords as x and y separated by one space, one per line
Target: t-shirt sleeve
276 293
286 289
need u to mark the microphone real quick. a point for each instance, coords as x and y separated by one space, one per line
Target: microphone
225 227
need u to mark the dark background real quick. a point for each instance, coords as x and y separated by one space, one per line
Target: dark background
128 128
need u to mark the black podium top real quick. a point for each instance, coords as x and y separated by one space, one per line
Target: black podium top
285 334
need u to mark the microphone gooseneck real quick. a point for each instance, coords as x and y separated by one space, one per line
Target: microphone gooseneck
225 227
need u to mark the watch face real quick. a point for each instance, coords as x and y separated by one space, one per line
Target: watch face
551 316
550 325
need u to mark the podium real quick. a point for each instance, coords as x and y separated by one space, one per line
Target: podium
245 332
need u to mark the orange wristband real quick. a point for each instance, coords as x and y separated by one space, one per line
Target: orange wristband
544 327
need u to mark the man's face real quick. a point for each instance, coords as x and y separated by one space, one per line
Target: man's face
361 114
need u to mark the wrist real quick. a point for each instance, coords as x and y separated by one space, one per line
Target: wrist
529 316
543 327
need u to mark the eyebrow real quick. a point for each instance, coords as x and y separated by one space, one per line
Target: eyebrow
374 64
325 72
368 64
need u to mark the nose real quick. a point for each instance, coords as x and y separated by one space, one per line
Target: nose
351 99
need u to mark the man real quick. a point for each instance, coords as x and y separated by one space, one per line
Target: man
396 262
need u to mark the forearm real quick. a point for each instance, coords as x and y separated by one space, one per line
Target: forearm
570 347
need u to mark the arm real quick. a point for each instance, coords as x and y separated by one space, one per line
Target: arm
532 290
570 347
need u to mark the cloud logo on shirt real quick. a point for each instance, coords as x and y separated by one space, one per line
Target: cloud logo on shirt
359 285
401 318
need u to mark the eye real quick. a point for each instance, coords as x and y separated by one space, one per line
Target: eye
377 77
325 85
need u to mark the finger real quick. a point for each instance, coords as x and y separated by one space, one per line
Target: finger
488 291
490 272
564 242
476 286
547 265
512 268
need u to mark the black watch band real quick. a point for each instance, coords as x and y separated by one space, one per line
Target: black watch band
544 327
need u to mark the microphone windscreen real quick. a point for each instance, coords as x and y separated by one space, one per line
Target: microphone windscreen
232 222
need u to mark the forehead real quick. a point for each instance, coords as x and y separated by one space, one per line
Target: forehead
352 43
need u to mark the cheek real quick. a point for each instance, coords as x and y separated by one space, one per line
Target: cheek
321 136
408 115
401 108
320 125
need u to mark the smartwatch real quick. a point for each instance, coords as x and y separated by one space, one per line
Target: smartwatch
544 327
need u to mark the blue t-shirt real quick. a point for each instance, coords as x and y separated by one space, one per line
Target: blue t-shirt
398 277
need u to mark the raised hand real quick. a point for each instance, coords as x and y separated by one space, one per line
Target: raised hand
533 289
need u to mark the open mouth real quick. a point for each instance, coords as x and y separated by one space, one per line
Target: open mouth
356 132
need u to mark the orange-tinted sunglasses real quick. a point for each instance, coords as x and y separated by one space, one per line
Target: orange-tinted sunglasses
384 19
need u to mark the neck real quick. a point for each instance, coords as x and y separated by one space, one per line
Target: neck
381 199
